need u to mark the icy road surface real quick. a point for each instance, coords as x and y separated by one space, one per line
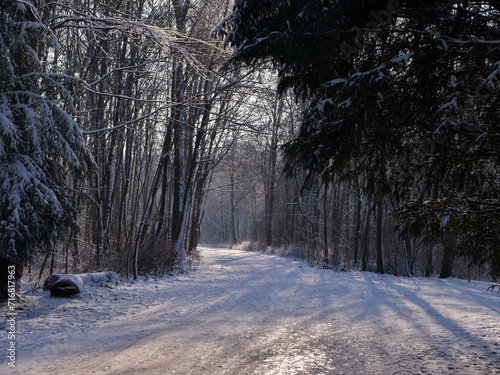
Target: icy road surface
249 313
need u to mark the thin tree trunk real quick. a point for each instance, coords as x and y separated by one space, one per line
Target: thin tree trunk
359 224
365 245
408 255
325 225
380 238
43 267
234 239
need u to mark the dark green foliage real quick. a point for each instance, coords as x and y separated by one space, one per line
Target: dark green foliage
404 94
40 144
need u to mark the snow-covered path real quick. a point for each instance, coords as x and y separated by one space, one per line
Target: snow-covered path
250 313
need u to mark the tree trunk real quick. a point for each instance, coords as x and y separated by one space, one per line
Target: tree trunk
179 162
271 180
359 223
429 261
234 239
380 238
325 225
181 8
409 255
448 257
365 245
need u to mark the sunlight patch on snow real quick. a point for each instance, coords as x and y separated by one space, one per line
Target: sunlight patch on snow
294 362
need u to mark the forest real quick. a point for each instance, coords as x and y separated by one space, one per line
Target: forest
351 134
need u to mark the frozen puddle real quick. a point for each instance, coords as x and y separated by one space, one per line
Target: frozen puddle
249 313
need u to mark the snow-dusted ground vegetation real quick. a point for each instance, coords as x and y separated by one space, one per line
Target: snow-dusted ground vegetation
244 312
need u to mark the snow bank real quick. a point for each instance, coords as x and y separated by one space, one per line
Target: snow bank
246 246
100 278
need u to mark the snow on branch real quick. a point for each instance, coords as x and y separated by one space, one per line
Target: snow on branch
168 39
494 78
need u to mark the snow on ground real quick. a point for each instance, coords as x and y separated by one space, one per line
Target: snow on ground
249 313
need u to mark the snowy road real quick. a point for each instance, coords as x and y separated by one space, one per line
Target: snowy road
250 313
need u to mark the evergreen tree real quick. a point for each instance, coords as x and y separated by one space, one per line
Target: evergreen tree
40 144
403 94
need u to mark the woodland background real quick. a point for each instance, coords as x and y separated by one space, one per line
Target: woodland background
150 141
